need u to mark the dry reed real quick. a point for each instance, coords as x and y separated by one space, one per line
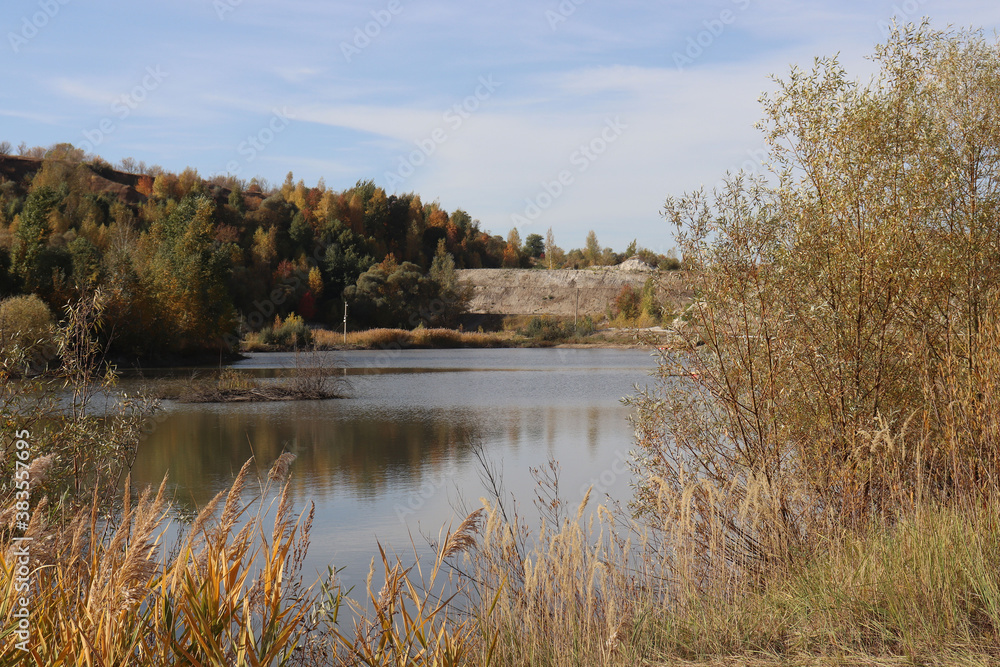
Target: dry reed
379 339
103 594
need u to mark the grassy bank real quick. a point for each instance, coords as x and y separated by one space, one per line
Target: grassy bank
520 332
579 588
379 339
923 591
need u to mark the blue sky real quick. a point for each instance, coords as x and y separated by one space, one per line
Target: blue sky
574 115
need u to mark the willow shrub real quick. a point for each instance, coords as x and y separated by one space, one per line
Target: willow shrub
26 334
841 364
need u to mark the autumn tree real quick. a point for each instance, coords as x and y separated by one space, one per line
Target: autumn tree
64 151
512 251
145 185
554 255
841 361
26 333
188 182
265 246
288 187
188 273
391 294
592 249
31 260
315 279
165 186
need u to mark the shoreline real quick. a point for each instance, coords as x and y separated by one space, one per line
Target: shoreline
402 339
445 339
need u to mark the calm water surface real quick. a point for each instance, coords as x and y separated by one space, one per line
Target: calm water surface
395 461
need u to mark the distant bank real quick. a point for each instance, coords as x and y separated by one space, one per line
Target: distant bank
566 292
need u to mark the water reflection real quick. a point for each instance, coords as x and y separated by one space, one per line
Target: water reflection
396 458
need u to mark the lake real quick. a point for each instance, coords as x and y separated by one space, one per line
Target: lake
396 460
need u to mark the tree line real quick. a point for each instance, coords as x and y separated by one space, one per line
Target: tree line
188 264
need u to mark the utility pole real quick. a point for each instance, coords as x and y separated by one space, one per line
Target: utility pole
345 321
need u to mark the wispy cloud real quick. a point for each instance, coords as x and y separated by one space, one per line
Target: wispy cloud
77 91
561 81
33 116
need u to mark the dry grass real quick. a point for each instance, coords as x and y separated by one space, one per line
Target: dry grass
642 321
586 590
596 590
381 339
409 621
104 594
421 338
563 595
316 376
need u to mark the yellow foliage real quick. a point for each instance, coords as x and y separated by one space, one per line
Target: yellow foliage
316 282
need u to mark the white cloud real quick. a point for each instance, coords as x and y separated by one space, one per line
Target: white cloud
357 120
78 91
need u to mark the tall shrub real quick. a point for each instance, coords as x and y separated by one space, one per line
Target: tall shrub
26 333
841 358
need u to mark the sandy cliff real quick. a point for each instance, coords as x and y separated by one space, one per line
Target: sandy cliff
541 292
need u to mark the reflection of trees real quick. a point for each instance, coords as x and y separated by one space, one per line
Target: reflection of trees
204 448
593 429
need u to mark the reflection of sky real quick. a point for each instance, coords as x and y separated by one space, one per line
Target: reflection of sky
394 459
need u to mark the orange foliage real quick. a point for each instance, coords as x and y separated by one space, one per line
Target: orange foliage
284 271
511 257
437 218
145 185
389 264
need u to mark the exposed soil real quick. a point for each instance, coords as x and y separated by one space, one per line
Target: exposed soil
542 292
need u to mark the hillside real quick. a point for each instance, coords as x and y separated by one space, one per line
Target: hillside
541 292
102 179
186 265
